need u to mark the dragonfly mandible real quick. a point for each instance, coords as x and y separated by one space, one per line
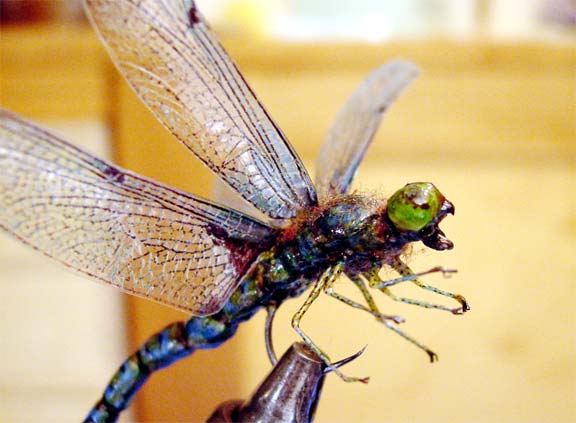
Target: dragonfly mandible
218 264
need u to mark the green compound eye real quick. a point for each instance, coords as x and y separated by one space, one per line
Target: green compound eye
414 206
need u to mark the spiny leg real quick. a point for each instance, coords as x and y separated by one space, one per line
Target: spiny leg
372 308
431 354
317 289
418 303
375 282
370 300
412 276
405 271
408 275
173 343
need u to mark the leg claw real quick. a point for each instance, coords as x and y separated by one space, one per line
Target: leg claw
433 356
464 305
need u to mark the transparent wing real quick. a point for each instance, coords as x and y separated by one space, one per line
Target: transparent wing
120 228
224 195
174 62
355 126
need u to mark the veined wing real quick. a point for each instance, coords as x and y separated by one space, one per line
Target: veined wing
120 228
174 62
355 126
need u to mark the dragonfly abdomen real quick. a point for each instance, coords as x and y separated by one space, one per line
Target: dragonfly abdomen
176 341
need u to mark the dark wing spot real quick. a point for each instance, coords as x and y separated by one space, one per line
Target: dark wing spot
114 174
193 14
242 253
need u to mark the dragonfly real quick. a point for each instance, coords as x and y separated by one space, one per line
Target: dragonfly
221 265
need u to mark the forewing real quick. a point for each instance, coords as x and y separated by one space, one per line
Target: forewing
174 62
120 228
355 125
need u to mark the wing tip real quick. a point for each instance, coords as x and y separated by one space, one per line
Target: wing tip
401 66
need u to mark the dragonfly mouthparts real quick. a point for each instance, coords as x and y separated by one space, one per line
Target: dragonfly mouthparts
447 208
437 240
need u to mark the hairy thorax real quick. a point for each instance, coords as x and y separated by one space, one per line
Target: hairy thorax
352 230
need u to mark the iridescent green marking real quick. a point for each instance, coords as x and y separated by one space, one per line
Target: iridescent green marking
414 206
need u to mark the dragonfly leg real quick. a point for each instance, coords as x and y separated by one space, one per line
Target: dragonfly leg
411 276
173 343
317 289
408 275
431 354
386 320
372 307
271 312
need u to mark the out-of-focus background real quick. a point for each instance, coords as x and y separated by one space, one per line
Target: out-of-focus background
492 121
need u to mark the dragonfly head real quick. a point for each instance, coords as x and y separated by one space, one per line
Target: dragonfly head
417 209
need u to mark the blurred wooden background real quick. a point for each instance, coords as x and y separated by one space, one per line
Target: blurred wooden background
491 123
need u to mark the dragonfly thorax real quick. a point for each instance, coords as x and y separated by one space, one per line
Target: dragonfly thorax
349 225
348 229
363 232
354 230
